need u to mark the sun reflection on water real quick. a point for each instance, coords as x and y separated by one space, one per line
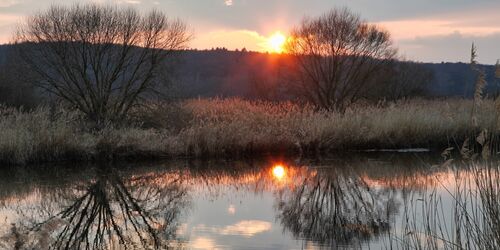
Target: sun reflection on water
279 172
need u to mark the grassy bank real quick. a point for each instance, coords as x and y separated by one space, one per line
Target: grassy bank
237 128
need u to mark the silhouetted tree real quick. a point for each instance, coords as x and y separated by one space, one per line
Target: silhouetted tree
100 59
335 58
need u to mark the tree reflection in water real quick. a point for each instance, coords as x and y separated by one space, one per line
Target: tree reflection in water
345 204
335 207
111 212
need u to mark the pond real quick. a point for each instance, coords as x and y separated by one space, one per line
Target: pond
369 201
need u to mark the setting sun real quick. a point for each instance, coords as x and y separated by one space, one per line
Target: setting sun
276 42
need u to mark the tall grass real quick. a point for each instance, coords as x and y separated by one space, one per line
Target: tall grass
222 125
37 135
42 135
237 128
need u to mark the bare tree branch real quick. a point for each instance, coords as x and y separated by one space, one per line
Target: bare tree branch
100 59
335 57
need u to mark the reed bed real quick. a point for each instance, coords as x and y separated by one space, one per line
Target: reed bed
238 128
223 124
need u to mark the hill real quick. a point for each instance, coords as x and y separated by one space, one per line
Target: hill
233 73
219 72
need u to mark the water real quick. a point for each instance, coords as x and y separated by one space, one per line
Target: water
353 202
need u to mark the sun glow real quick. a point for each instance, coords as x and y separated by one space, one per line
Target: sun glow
276 42
279 172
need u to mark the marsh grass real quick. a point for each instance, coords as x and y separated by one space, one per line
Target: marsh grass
238 128
44 135
233 123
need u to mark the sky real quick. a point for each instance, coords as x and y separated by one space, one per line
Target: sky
422 30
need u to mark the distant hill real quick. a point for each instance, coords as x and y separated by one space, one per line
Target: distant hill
219 72
458 79
229 73
222 72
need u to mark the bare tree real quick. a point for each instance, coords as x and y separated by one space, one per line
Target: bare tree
100 59
335 57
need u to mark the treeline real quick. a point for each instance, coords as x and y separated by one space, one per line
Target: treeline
255 75
16 81
208 73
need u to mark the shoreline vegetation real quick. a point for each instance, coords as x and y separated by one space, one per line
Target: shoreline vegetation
236 128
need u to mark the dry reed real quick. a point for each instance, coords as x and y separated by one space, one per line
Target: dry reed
237 128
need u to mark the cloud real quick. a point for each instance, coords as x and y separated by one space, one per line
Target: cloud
7 25
132 1
231 209
230 39
246 228
407 29
453 47
9 19
228 2
203 243
116 1
475 22
448 36
8 3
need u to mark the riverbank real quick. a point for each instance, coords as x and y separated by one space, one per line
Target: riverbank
233 128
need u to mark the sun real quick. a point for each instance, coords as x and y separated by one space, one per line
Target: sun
276 42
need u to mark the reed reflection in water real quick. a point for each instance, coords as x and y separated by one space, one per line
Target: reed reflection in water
468 219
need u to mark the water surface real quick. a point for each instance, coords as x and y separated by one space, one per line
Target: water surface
353 202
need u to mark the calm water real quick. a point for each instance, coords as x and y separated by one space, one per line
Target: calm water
348 202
